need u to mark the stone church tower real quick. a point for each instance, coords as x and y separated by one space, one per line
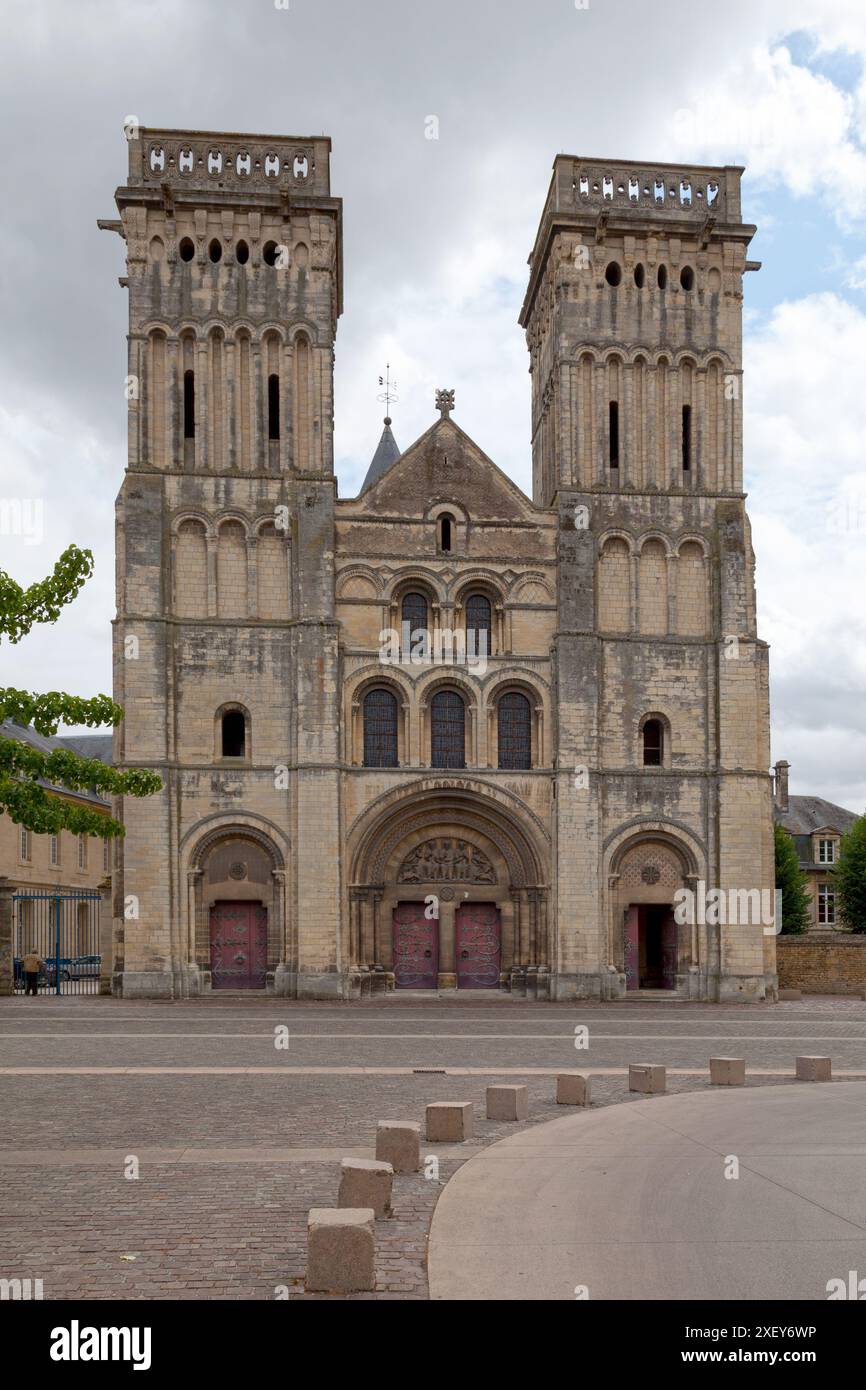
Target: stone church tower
633 318
225 639
354 800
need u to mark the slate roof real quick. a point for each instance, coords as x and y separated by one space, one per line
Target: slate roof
806 814
86 745
387 453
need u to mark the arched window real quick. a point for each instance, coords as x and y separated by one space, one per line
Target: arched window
234 734
447 730
446 532
653 743
414 612
514 717
380 729
478 621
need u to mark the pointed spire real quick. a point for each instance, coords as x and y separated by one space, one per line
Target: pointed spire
387 452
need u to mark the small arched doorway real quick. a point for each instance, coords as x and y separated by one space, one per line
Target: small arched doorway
651 947
237 885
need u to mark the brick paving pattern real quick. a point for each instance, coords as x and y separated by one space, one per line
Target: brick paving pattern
237 1229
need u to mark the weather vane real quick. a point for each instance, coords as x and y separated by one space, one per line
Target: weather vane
389 394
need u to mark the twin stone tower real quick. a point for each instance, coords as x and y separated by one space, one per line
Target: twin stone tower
340 816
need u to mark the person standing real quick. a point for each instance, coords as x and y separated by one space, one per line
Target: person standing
31 965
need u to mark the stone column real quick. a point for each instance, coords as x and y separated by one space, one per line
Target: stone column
7 981
354 722
252 577
106 936
517 920
193 885
366 927
447 960
377 895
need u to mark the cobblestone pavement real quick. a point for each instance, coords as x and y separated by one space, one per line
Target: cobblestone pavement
236 1139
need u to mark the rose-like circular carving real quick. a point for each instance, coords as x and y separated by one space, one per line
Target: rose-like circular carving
238 870
651 873
446 894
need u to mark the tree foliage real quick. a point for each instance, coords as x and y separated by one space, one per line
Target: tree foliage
849 877
796 901
23 769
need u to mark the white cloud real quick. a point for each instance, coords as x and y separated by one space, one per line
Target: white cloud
787 124
805 422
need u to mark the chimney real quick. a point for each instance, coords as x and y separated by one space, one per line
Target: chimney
780 793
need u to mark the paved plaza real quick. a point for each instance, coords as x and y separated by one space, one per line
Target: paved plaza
236 1138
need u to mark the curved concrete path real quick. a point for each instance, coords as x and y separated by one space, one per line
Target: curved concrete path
631 1201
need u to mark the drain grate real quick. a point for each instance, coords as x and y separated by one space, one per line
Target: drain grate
428 1071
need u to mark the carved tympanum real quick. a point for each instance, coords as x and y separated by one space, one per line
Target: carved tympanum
446 861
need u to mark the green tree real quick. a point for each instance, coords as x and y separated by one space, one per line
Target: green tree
796 902
22 767
849 877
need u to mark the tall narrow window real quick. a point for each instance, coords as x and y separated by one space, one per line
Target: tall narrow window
82 851
613 433
478 625
514 719
687 438
380 729
653 743
106 855
447 729
55 850
446 532
273 406
25 845
189 405
234 734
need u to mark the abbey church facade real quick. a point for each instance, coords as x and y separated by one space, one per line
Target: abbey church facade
568 725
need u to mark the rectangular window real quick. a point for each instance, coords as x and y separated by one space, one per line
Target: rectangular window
106 855
613 433
826 906
826 851
687 438
54 850
82 851
24 846
273 406
189 405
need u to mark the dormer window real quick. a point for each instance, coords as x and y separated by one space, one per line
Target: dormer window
826 851
445 532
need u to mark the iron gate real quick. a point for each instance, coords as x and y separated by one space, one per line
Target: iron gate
62 928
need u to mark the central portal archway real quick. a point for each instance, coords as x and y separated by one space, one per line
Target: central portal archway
448 891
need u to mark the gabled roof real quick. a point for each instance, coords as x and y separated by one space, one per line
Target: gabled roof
85 745
806 814
387 452
445 460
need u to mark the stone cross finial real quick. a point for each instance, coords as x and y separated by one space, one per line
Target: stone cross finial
445 403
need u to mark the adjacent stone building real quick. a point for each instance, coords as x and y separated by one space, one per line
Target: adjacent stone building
816 827
438 735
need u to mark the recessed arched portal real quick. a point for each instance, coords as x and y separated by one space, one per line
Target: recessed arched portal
448 889
237 906
648 942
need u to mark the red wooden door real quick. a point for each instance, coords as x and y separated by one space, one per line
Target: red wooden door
477 945
631 948
238 945
416 947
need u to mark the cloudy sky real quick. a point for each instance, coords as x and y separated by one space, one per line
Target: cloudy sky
436 238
